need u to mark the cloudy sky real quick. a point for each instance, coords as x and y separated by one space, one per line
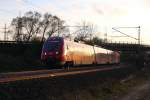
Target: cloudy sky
105 14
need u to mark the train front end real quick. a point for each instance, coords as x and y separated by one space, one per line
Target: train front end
52 51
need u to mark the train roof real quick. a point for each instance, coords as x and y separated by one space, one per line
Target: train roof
55 38
79 43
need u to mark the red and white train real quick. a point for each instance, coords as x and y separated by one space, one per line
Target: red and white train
59 51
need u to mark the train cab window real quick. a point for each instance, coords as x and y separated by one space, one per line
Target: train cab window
52 45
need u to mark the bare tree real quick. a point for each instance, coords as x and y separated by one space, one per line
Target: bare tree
84 31
33 23
51 24
28 24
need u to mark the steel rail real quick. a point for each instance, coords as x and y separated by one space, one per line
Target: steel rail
26 75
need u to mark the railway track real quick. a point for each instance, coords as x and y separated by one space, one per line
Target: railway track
26 75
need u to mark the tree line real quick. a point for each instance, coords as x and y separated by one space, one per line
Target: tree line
34 26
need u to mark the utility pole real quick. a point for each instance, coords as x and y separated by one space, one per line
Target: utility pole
139 53
5 33
105 35
19 29
139 33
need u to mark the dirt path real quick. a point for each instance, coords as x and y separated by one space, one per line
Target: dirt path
141 92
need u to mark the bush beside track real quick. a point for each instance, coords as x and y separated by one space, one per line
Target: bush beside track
16 56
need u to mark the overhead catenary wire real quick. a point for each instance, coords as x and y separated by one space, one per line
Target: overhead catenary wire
124 34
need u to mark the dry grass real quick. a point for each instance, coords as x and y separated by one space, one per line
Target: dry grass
95 86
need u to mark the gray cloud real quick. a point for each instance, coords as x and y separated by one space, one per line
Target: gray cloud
97 9
110 10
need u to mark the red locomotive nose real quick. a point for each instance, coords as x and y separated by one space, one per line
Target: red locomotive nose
46 54
50 53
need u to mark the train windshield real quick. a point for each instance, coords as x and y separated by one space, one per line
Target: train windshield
52 45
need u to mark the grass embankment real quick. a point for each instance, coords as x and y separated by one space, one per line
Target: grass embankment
109 85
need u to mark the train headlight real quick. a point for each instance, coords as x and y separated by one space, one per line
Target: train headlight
45 53
57 52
